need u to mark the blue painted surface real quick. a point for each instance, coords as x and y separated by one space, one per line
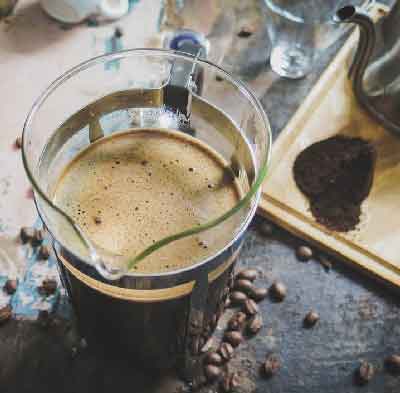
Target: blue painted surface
26 302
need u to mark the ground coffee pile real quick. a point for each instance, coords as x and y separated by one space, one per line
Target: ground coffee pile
336 175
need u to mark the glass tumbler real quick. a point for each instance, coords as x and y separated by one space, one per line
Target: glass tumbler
157 318
299 30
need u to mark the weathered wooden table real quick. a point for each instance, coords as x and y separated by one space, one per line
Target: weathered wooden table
360 319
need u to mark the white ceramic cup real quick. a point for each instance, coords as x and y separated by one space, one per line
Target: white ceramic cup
74 11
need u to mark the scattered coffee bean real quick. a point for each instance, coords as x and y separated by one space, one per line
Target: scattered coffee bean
44 252
26 234
212 372
271 365
255 324
18 142
38 237
245 31
97 220
243 285
5 314
230 382
278 291
325 262
250 307
213 358
265 228
304 253
233 337
237 321
48 287
258 294
226 351
238 298
247 274
219 78
10 287
311 319
392 364
365 373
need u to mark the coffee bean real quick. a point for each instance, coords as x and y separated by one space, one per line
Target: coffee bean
243 285
5 314
258 294
255 324
392 364
365 373
265 228
247 274
271 365
74 352
304 253
250 307
118 33
278 291
325 262
219 78
10 287
38 237
48 287
226 351
26 234
233 337
229 382
97 220
18 142
245 31
238 298
237 321
44 252
212 372
310 319
213 358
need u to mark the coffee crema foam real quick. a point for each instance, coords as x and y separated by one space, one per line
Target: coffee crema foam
128 190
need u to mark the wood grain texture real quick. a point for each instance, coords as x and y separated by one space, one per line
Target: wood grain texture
331 109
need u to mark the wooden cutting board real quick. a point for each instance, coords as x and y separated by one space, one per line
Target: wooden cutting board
329 109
